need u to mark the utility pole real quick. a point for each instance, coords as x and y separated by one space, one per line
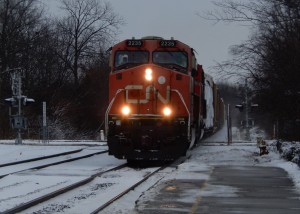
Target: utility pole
19 121
229 131
44 126
247 109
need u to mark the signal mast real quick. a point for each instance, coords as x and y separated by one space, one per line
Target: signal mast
17 120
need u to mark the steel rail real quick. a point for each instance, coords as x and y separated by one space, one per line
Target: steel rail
51 195
126 191
40 158
57 163
172 164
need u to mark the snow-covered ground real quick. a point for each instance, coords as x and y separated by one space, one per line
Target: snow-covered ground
239 153
211 152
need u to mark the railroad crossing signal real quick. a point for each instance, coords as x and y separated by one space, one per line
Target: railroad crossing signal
240 107
246 105
13 101
27 101
18 121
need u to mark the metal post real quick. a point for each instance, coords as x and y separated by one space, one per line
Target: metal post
229 130
246 95
45 132
277 130
247 110
274 131
102 135
19 98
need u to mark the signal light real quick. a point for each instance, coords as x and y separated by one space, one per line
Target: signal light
240 107
27 101
11 101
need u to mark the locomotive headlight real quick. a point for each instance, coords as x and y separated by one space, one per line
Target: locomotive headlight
148 74
167 111
125 110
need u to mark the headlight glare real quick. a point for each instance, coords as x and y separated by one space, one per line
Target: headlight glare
167 111
126 110
148 74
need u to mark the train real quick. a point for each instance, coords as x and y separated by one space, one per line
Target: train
161 102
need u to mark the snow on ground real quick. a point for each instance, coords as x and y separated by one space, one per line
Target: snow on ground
246 153
211 152
9 152
30 184
12 153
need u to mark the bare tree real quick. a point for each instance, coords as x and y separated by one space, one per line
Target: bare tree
270 58
23 29
87 28
20 22
265 18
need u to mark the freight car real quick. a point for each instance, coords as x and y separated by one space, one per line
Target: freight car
160 100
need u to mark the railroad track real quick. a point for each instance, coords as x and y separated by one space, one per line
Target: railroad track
39 163
114 199
116 170
132 187
40 158
58 192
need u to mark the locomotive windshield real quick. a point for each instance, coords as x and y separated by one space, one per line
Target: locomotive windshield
171 58
130 58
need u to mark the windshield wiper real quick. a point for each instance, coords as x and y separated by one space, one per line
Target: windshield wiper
173 66
127 65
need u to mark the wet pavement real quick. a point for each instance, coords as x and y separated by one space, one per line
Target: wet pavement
229 189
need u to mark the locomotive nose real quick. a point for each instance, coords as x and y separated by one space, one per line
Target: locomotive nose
146 141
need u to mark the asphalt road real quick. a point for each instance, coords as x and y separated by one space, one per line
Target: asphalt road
230 189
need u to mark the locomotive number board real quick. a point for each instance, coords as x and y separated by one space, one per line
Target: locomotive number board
134 43
167 43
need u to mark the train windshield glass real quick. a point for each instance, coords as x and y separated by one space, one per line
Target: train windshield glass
171 58
130 58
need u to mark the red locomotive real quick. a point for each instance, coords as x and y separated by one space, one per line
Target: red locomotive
158 106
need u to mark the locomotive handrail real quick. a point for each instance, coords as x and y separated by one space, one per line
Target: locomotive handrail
108 109
182 100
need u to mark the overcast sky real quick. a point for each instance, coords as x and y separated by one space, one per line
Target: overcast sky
178 19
